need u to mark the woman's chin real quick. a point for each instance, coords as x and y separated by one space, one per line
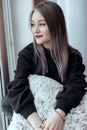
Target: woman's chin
39 43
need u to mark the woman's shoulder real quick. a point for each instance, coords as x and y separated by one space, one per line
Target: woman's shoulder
73 52
75 62
27 50
75 56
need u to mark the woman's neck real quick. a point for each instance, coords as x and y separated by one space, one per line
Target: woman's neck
46 45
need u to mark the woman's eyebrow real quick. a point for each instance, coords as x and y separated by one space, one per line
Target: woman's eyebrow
41 20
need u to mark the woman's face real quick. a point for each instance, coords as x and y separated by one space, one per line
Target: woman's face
40 29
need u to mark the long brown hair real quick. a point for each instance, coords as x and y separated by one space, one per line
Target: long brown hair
55 20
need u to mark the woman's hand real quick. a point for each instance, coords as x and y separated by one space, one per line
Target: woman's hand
54 122
35 121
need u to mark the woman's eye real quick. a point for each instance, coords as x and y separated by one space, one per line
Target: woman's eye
42 24
32 24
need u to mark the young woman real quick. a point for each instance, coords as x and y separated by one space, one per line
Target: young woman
49 55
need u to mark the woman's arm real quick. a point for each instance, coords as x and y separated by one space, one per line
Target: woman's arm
75 84
74 90
19 94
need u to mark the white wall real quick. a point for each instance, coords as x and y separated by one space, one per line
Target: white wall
53 1
76 20
22 35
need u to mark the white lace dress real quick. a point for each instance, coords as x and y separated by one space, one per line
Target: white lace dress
44 90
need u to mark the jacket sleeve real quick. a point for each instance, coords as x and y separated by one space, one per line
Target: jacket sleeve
19 94
73 86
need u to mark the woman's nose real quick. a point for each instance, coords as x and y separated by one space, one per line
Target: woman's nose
36 29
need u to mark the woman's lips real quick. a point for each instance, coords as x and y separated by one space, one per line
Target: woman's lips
38 36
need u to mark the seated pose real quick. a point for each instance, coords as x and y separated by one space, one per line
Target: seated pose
49 55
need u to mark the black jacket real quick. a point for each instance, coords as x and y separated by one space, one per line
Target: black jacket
20 96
